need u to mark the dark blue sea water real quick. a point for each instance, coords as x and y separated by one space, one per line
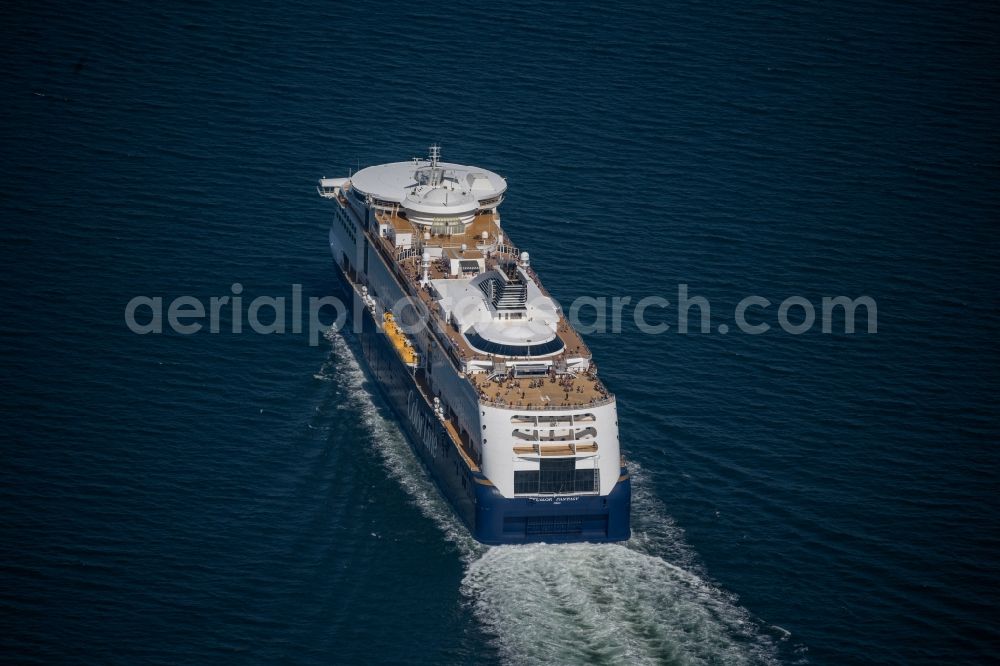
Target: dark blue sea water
243 498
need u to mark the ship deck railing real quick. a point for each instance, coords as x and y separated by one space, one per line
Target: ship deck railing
571 449
545 406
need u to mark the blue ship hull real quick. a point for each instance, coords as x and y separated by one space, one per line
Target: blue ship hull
490 517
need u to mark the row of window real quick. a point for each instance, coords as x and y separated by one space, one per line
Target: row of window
556 477
497 349
554 434
348 227
551 421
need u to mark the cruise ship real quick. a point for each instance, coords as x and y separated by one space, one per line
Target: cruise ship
498 393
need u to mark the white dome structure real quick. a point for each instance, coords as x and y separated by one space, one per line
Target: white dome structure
442 204
440 196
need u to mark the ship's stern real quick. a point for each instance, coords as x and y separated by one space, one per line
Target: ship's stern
554 518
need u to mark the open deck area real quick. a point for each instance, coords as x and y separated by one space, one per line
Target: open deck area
567 391
574 346
558 390
472 237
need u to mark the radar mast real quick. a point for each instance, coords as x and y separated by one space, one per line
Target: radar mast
433 174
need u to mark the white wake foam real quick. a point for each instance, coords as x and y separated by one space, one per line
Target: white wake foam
643 602
606 604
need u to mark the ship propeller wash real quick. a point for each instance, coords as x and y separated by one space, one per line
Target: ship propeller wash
497 391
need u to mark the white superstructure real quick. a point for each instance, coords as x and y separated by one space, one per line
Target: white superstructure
507 374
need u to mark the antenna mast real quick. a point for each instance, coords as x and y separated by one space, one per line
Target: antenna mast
432 174
435 170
